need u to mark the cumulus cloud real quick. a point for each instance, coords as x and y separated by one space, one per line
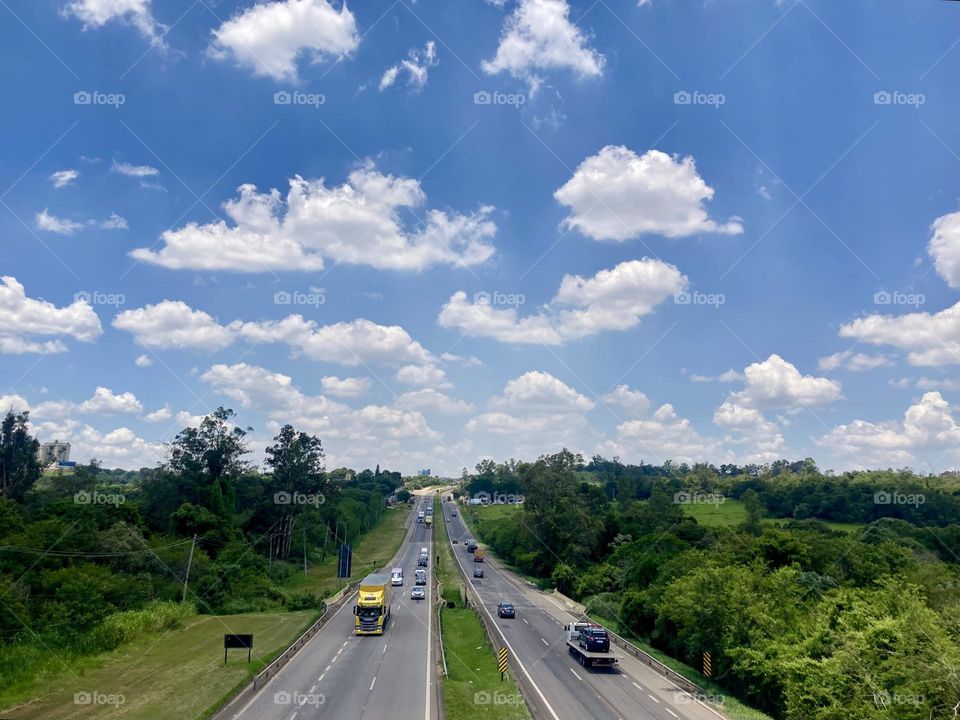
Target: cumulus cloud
926 425
758 439
538 37
618 195
23 320
136 13
350 387
613 299
159 415
51 223
777 384
633 402
415 68
542 392
662 436
270 37
432 400
944 248
929 338
103 402
173 324
62 178
427 375
358 223
727 376
137 171
143 361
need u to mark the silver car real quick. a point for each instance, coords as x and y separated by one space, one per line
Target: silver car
417 594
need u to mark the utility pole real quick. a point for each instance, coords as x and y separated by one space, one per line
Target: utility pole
186 577
326 536
304 550
271 556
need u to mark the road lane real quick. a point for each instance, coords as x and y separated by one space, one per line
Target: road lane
338 675
633 690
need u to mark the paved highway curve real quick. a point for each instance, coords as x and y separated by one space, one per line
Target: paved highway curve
632 692
338 675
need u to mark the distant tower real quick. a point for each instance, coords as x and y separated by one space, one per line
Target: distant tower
51 453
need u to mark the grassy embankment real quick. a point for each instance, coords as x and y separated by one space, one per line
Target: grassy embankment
178 673
473 689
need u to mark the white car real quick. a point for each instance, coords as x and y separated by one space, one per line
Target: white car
417 594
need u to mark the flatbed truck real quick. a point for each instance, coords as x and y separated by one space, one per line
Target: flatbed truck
589 644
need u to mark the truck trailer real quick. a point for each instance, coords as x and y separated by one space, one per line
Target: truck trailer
590 644
372 610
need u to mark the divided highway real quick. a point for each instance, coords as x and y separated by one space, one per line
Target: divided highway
536 638
338 675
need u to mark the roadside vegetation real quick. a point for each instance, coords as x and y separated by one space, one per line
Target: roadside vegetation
94 561
472 689
819 597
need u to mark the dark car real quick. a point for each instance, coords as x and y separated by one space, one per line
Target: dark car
455 541
478 572
505 610
594 639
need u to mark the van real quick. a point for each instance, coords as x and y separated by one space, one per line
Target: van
396 576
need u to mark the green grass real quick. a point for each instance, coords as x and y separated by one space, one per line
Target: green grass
472 689
731 513
374 550
178 675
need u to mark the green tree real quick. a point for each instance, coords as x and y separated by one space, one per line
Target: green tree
19 467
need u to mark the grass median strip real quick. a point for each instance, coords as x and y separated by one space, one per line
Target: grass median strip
472 688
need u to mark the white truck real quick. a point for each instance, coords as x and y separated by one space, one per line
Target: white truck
396 576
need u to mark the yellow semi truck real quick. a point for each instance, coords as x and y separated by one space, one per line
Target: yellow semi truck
372 610
428 521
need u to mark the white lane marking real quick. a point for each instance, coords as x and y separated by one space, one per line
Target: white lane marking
671 712
373 682
575 675
384 652
327 668
292 717
544 642
638 687
653 698
320 679
525 620
312 688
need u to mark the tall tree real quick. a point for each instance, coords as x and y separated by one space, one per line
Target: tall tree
19 466
298 483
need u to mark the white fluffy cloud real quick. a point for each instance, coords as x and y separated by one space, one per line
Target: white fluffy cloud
664 435
613 299
727 376
929 338
758 439
16 403
415 67
426 375
62 178
350 387
539 37
944 248
926 425
617 195
159 415
51 223
633 402
270 37
137 13
23 320
173 324
776 383
360 223
103 402
850 360
143 361
541 392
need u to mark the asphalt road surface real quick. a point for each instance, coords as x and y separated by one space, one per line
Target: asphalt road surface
338 675
632 691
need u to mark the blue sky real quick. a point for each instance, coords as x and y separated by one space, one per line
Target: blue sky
434 232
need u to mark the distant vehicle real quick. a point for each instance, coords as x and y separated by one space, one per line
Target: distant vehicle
372 610
396 576
505 610
421 576
471 546
417 593
420 516
428 522
424 551
590 644
453 512
478 572
478 555
423 560
455 541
